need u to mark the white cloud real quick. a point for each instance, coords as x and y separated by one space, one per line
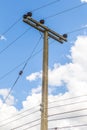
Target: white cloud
83 0
36 90
2 37
34 76
32 100
4 93
74 76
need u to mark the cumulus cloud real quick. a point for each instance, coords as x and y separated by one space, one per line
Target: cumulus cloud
34 76
63 105
73 74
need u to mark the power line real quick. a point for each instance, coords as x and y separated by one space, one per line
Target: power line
31 126
43 6
21 72
49 108
37 9
24 62
10 44
68 117
4 124
68 104
19 113
66 112
31 53
26 124
16 67
19 65
59 100
73 31
76 30
79 29
72 126
24 67
64 11
11 26
11 89
47 33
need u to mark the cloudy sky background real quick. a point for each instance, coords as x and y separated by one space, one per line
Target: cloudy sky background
67 71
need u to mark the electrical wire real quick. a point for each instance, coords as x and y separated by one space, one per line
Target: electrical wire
66 127
4 124
79 29
6 31
65 11
59 100
31 53
26 124
48 108
46 17
19 114
76 30
73 31
10 44
25 63
68 117
19 77
37 111
43 6
67 112
11 89
68 104
31 126
21 72
16 67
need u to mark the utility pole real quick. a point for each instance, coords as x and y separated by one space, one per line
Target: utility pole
60 38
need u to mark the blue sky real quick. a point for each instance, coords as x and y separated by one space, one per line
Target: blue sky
10 12
60 55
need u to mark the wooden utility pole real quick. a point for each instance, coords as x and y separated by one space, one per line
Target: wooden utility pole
60 38
44 112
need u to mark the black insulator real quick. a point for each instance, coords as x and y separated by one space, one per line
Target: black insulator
29 14
42 21
24 16
65 35
20 73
